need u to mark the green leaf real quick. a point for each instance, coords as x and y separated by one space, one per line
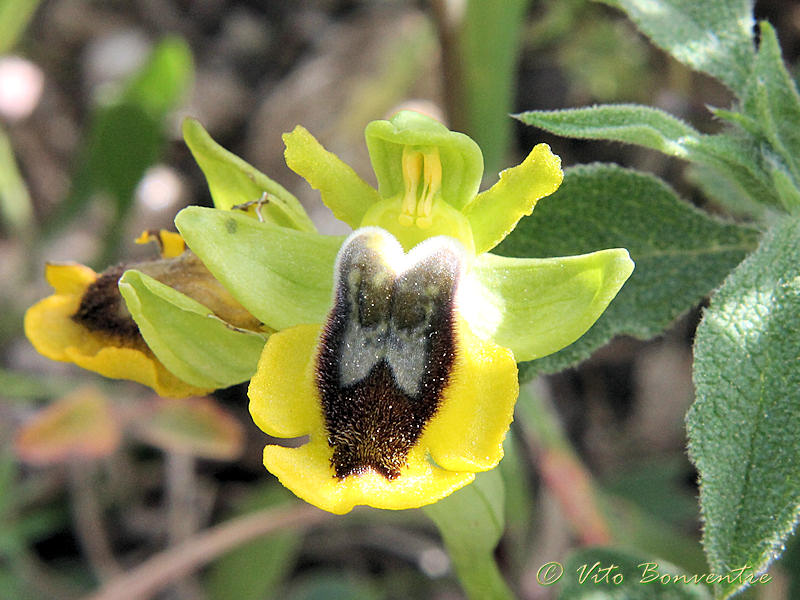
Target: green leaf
471 522
14 18
739 156
232 181
712 36
630 123
612 574
281 276
743 426
489 47
253 571
538 306
16 207
777 102
734 154
164 80
719 188
681 254
193 343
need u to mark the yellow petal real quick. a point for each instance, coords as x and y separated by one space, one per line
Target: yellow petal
69 278
467 432
283 395
134 365
307 472
170 243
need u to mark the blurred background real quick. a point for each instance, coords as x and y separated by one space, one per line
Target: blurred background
92 94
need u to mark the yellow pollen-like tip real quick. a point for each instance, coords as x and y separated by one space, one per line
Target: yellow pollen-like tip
420 168
405 220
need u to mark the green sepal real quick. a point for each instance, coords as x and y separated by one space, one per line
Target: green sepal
232 181
342 190
283 277
193 343
493 214
538 306
461 158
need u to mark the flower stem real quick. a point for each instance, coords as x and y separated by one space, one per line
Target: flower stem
471 522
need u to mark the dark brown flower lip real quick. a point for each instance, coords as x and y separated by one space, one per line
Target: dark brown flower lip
102 308
386 355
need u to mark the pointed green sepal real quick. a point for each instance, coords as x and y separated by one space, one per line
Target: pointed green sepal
283 277
232 181
342 190
536 306
461 158
494 213
193 343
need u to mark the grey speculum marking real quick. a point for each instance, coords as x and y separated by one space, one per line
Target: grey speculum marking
387 351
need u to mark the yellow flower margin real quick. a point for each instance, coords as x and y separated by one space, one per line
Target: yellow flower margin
465 435
52 331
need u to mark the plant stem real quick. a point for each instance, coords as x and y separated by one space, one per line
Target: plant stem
89 525
182 521
170 565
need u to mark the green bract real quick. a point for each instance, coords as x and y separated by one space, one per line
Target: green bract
428 180
187 337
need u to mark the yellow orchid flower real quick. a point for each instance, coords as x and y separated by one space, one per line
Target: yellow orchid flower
405 382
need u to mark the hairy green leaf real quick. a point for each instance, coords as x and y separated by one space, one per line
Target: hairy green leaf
612 574
681 254
712 36
630 123
776 101
735 154
743 426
